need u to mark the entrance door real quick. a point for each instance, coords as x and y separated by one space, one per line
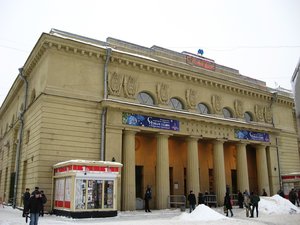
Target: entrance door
139 177
234 181
171 181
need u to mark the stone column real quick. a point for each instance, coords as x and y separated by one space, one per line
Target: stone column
193 166
262 169
242 167
128 184
219 171
162 171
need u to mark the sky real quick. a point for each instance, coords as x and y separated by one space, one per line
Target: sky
272 210
260 38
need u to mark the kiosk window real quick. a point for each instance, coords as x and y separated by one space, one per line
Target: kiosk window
80 190
108 194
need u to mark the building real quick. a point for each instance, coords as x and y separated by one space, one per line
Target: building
176 121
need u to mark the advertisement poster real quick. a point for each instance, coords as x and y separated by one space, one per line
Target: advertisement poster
250 135
149 121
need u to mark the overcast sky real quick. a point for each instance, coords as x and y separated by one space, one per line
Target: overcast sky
260 38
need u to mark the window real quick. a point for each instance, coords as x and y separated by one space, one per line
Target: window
248 117
145 98
176 104
203 109
227 113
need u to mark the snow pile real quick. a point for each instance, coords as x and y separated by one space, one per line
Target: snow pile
203 213
276 205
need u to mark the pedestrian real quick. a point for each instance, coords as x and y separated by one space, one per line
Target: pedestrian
26 197
240 200
192 201
44 200
264 193
148 197
247 204
298 197
281 193
227 204
34 207
200 198
293 196
254 199
36 189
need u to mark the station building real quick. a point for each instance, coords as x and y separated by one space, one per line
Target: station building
175 121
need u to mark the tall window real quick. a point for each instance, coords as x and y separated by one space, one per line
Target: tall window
176 104
203 109
227 113
145 98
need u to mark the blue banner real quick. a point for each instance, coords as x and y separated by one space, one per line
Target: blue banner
149 121
250 135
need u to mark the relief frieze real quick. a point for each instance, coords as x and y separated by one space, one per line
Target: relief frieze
130 86
162 91
115 83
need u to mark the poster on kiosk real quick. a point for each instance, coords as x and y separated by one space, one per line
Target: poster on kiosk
85 189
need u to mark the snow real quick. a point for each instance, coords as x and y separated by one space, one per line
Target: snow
272 210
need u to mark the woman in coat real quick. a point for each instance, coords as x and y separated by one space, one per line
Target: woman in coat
227 204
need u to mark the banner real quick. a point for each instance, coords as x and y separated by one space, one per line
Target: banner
149 121
250 135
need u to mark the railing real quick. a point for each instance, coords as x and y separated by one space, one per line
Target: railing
177 201
210 200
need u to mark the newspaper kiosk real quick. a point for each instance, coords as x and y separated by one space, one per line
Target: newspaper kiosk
83 189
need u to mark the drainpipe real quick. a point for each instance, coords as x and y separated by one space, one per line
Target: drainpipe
20 136
104 110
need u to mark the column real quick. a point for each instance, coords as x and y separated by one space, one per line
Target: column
193 166
242 167
262 169
162 171
219 171
128 184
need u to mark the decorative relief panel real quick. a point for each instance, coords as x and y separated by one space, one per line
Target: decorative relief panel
259 112
239 109
162 93
191 98
130 86
268 114
216 102
115 83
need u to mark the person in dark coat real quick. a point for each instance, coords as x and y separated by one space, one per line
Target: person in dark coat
200 198
192 201
254 199
34 207
44 200
148 196
227 204
293 196
264 192
240 200
26 197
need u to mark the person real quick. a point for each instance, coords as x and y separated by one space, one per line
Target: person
281 193
240 200
26 197
148 196
44 200
36 189
298 201
192 201
264 193
227 204
247 204
293 196
34 207
200 198
254 199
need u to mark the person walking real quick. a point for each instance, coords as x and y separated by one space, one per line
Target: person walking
192 201
247 204
240 200
26 197
34 207
254 199
148 196
227 204
44 200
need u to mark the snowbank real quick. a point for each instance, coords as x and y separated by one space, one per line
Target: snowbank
203 213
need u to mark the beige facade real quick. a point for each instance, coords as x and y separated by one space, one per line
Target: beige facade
71 99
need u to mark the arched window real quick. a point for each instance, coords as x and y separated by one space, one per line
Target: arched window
203 108
145 98
248 117
227 113
176 104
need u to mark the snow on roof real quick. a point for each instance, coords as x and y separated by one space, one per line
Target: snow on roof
88 162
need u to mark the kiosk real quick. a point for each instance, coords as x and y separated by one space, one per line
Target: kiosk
83 189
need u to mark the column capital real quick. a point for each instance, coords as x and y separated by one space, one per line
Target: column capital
191 137
131 130
219 140
163 134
